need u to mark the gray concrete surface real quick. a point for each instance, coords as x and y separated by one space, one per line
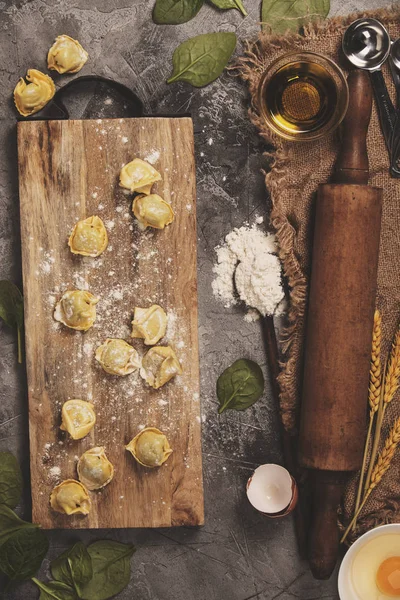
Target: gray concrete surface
237 555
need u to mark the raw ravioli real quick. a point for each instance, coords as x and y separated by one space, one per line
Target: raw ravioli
149 324
138 176
117 357
78 418
94 469
31 97
66 55
152 211
76 309
70 497
150 447
159 365
89 237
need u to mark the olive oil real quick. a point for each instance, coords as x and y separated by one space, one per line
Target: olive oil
301 97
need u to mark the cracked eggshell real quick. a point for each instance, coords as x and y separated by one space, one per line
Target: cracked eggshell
272 491
31 97
66 55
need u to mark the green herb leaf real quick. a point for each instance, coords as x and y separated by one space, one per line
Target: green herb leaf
227 4
22 553
240 385
111 569
284 15
55 590
12 309
10 480
201 59
73 567
10 523
173 12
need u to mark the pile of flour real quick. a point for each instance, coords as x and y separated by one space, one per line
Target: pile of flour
247 261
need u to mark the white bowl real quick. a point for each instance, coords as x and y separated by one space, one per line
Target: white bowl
346 588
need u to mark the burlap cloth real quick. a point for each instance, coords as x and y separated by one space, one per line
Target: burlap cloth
296 171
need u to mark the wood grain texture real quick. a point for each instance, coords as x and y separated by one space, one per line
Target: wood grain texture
69 171
339 327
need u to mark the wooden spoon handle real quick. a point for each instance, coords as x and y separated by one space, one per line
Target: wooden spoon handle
288 442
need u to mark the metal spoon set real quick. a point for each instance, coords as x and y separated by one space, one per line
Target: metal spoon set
367 45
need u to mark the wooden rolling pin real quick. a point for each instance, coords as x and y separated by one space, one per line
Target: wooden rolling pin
339 327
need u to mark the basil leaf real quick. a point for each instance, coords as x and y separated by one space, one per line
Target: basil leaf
10 523
173 12
283 15
73 567
10 480
201 59
12 309
240 385
111 569
22 553
55 590
227 4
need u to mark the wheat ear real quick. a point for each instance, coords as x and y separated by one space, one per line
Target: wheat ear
375 380
375 389
391 385
393 371
379 470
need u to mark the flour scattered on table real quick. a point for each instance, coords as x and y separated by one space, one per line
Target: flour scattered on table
247 260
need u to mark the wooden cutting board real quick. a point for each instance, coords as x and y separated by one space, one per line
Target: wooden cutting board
68 170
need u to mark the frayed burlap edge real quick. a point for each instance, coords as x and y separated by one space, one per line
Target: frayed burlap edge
250 68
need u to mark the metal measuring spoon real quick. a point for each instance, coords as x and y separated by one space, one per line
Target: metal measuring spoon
367 45
394 63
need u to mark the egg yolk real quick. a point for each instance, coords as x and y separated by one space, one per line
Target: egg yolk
388 577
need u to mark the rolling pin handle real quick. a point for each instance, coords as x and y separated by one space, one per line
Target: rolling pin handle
327 487
352 164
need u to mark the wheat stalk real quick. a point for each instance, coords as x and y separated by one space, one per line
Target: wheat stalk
375 390
375 371
391 385
393 371
385 457
379 470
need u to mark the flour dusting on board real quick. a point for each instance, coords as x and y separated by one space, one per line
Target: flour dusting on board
152 157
